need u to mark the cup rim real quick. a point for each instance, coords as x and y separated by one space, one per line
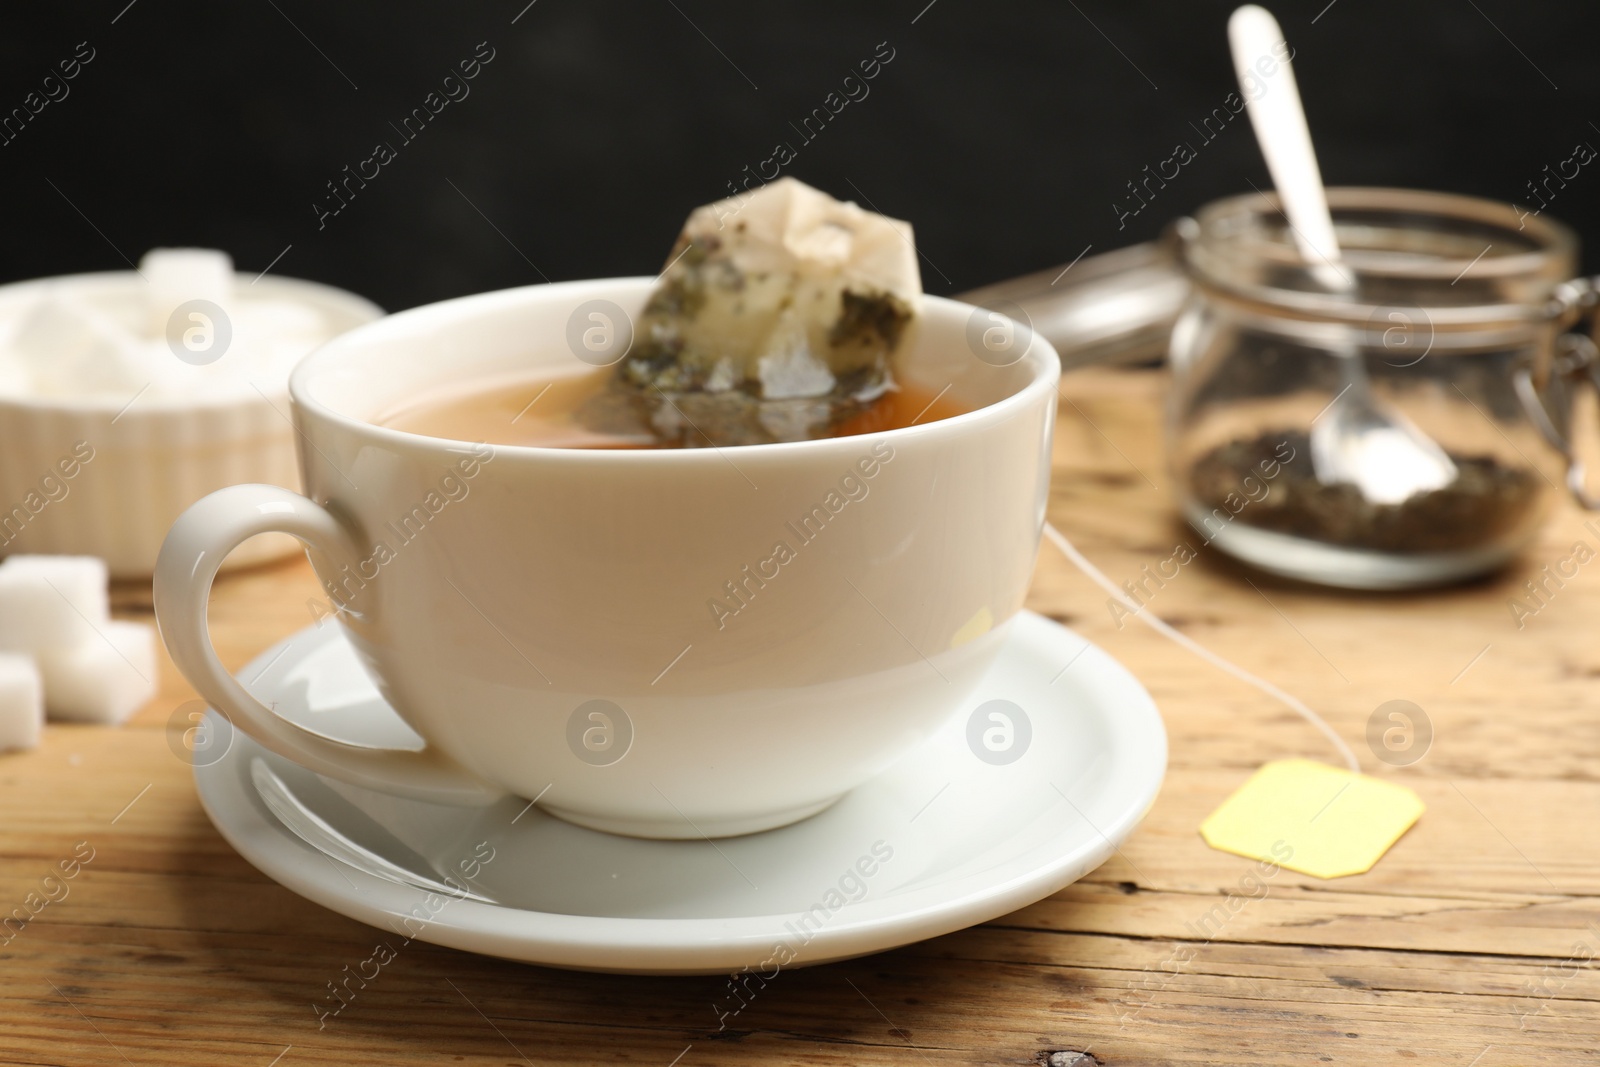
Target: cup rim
1040 354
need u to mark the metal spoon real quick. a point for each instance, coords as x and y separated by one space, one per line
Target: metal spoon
1357 440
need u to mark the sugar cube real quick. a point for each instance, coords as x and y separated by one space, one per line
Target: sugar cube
269 320
179 275
51 602
104 680
68 346
21 702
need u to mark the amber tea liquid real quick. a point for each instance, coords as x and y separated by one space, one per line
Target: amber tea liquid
542 411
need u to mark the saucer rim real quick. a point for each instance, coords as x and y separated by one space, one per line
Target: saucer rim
713 945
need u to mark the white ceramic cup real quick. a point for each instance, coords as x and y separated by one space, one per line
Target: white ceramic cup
547 619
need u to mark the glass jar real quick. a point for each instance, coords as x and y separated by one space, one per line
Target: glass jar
1456 309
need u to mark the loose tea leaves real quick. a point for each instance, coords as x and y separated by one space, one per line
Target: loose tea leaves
779 316
1486 502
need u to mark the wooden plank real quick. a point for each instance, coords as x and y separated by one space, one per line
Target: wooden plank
1469 943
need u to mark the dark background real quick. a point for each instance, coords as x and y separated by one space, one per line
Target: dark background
1004 131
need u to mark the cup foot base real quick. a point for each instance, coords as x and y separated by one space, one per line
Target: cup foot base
677 827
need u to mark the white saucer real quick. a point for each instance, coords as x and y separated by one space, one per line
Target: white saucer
941 841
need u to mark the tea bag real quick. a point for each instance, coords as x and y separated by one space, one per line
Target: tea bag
780 314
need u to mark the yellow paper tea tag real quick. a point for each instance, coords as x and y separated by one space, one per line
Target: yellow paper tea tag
1309 817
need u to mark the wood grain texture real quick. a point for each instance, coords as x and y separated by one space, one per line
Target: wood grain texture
1468 944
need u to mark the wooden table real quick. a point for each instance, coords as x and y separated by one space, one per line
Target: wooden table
1468 944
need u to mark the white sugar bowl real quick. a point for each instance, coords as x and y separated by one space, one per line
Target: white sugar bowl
126 396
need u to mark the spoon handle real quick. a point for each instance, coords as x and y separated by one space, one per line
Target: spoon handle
1261 63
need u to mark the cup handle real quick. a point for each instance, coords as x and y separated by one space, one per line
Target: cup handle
185 569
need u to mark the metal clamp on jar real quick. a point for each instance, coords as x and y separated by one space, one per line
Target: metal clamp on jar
1458 312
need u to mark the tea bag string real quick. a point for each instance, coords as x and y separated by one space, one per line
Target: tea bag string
1159 626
